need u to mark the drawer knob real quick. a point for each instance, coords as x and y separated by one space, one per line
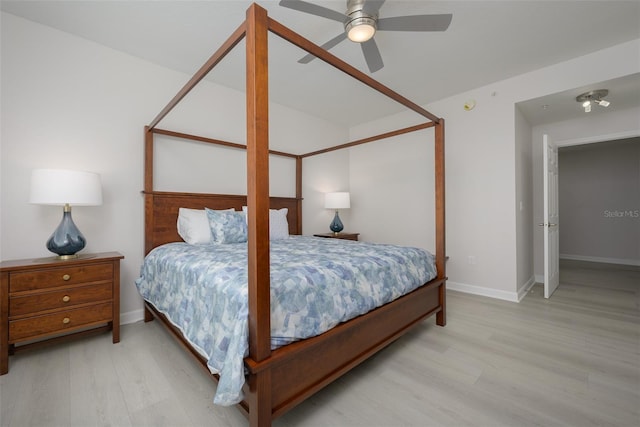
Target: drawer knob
66 298
66 320
66 277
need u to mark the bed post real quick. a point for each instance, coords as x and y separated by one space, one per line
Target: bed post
148 189
441 316
258 215
148 202
299 193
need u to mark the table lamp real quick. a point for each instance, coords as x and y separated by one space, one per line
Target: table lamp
65 188
339 200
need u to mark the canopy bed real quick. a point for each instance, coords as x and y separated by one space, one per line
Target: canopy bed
277 379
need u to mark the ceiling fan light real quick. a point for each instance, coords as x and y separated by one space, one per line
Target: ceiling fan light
585 104
361 33
587 108
360 29
602 102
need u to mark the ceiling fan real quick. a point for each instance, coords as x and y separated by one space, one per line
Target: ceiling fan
361 22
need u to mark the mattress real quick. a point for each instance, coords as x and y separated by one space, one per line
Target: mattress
316 284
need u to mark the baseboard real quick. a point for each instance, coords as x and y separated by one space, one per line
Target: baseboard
601 259
522 292
482 291
131 316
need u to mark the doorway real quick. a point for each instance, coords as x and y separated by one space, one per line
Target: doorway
599 198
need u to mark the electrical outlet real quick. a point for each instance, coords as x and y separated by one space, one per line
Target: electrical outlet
471 259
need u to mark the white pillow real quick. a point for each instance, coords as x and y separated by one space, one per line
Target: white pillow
193 226
278 224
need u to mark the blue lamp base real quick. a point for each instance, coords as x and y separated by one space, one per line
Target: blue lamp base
336 225
66 240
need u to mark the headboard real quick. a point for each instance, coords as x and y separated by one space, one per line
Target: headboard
162 212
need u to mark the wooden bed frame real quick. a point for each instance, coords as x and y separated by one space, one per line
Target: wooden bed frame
280 379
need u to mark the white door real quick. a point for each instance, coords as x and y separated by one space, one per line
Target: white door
551 217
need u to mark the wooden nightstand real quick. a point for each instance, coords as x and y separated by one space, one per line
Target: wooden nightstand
345 236
45 300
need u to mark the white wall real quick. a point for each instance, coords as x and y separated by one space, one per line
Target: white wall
487 173
322 174
382 202
71 103
599 194
392 183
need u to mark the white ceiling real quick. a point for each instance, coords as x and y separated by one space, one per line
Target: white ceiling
487 41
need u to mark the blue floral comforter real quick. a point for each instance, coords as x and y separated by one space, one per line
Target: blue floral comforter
316 283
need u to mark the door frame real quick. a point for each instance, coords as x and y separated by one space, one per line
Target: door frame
597 138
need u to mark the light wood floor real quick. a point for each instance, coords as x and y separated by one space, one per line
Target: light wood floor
571 360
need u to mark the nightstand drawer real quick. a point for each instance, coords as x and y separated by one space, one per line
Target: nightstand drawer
59 276
24 305
33 327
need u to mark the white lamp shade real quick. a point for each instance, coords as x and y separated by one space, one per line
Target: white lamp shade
61 186
339 200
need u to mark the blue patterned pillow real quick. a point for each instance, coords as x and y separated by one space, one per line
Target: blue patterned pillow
227 226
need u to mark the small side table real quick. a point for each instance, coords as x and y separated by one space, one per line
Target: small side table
46 300
345 236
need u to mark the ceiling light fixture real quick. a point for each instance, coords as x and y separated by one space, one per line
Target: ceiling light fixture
361 26
593 96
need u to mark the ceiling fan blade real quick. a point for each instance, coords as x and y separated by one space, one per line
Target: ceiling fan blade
328 45
372 55
372 7
314 9
415 23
